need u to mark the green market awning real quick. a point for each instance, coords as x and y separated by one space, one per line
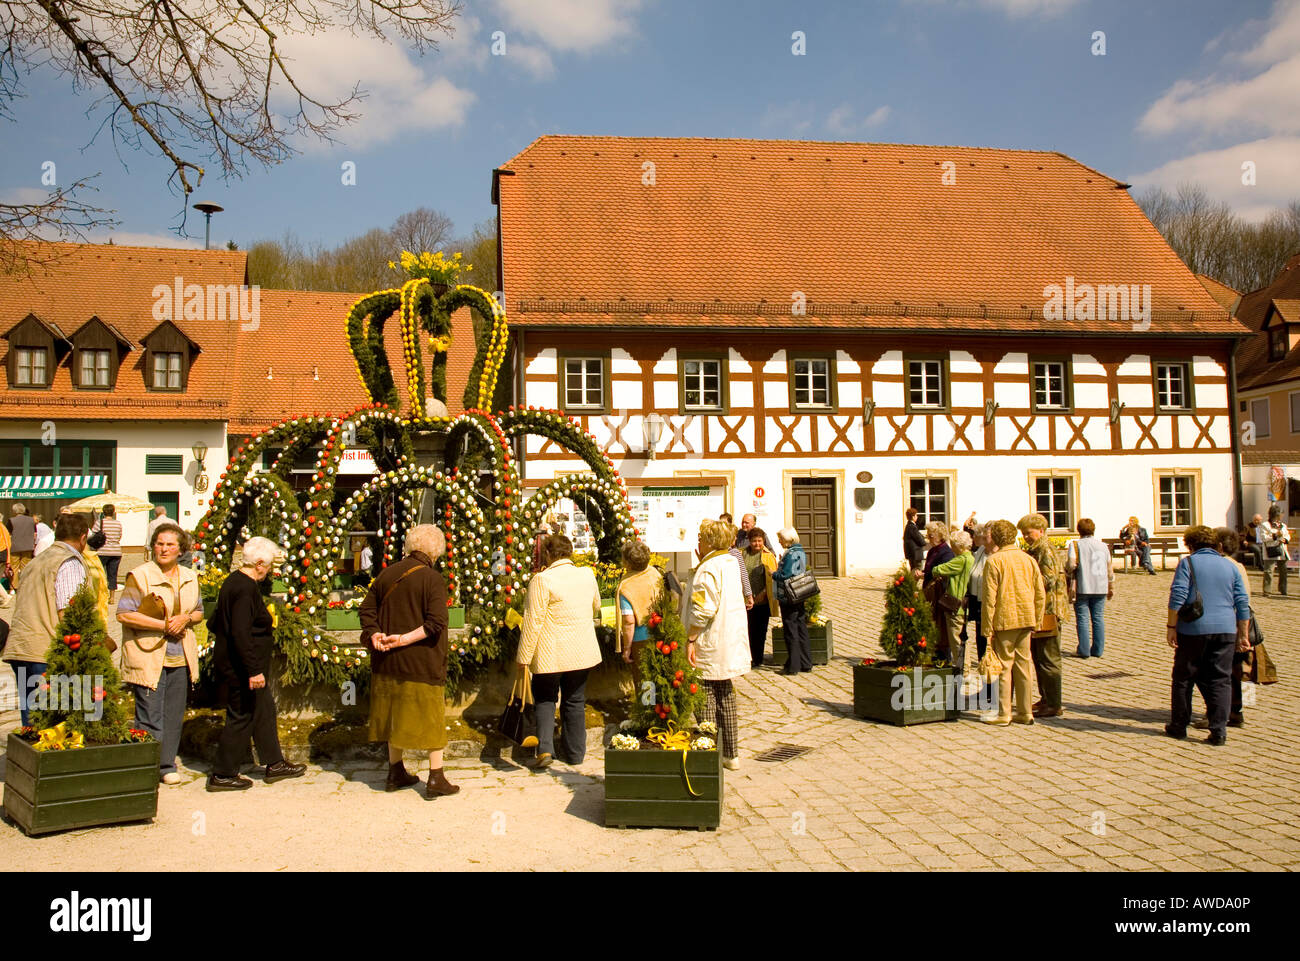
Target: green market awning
15 487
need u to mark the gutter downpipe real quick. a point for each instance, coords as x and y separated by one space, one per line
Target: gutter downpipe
1236 433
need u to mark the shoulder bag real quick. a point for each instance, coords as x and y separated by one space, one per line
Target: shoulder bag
799 588
1193 607
515 723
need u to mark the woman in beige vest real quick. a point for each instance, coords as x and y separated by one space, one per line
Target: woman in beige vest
636 595
159 607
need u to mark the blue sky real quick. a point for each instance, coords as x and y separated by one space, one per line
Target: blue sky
1187 89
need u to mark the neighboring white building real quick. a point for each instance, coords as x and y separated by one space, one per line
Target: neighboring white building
833 333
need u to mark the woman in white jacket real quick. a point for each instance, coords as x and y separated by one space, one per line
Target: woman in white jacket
1091 582
557 641
717 631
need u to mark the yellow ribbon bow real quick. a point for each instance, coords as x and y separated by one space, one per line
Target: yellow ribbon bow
275 620
671 739
57 738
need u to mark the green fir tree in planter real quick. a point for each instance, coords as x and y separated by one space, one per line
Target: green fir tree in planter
670 689
909 634
82 688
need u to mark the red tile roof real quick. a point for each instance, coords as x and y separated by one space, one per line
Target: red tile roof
869 233
1254 369
1223 295
300 340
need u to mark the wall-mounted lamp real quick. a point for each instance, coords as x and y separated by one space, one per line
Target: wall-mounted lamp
200 452
652 428
868 411
990 408
1116 408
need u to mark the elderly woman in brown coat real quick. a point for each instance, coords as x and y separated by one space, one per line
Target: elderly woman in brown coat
404 622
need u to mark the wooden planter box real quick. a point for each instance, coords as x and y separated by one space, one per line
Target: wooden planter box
819 639
646 788
343 620
882 693
56 790
455 617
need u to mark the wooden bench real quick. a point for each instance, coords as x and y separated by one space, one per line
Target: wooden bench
1166 546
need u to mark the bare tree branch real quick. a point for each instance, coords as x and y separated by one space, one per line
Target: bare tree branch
201 82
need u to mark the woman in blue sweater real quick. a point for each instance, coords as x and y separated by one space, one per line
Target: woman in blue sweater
1203 647
794 619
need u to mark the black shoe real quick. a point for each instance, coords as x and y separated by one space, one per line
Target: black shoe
542 761
1217 740
1177 733
399 777
237 783
1236 720
283 769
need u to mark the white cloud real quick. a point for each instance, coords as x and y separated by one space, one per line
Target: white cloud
21 196
841 120
1012 8
1277 171
1256 91
535 60
400 96
788 118
578 26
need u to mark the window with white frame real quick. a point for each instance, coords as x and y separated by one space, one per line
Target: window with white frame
701 383
812 382
1054 499
929 497
1173 387
31 369
1177 500
1259 416
584 382
94 368
166 370
1051 385
925 387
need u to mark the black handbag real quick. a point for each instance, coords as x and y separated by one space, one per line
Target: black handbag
518 722
949 603
1194 608
799 588
96 540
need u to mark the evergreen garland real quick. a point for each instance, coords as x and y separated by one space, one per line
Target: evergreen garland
676 691
80 678
909 634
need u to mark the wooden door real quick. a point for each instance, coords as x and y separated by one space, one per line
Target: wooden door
815 515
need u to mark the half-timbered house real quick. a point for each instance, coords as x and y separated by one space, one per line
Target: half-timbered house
833 332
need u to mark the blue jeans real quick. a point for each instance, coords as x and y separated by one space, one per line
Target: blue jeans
161 712
25 671
547 690
1088 611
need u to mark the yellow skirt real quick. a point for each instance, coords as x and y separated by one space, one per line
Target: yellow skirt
407 714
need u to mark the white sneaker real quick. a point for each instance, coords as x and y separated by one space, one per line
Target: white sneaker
731 763
171 777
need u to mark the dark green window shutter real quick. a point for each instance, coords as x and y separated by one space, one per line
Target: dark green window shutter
162 463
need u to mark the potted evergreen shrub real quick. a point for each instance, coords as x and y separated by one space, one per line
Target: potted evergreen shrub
663 770
913 686
819 635
80 764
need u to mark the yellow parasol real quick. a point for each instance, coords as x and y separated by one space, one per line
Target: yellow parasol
124 503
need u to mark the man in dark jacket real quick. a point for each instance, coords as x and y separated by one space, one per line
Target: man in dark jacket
242 630
914 543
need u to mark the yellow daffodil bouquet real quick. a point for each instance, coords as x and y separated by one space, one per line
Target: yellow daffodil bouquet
435 268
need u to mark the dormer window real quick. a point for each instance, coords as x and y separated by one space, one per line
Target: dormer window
166 370
169 354
35 348
33 367
1277 343
98 348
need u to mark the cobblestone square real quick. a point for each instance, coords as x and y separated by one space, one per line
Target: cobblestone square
1100 789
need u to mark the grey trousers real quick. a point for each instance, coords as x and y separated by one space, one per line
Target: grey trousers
161 712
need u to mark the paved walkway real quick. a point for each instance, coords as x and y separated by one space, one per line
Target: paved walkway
1101 788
